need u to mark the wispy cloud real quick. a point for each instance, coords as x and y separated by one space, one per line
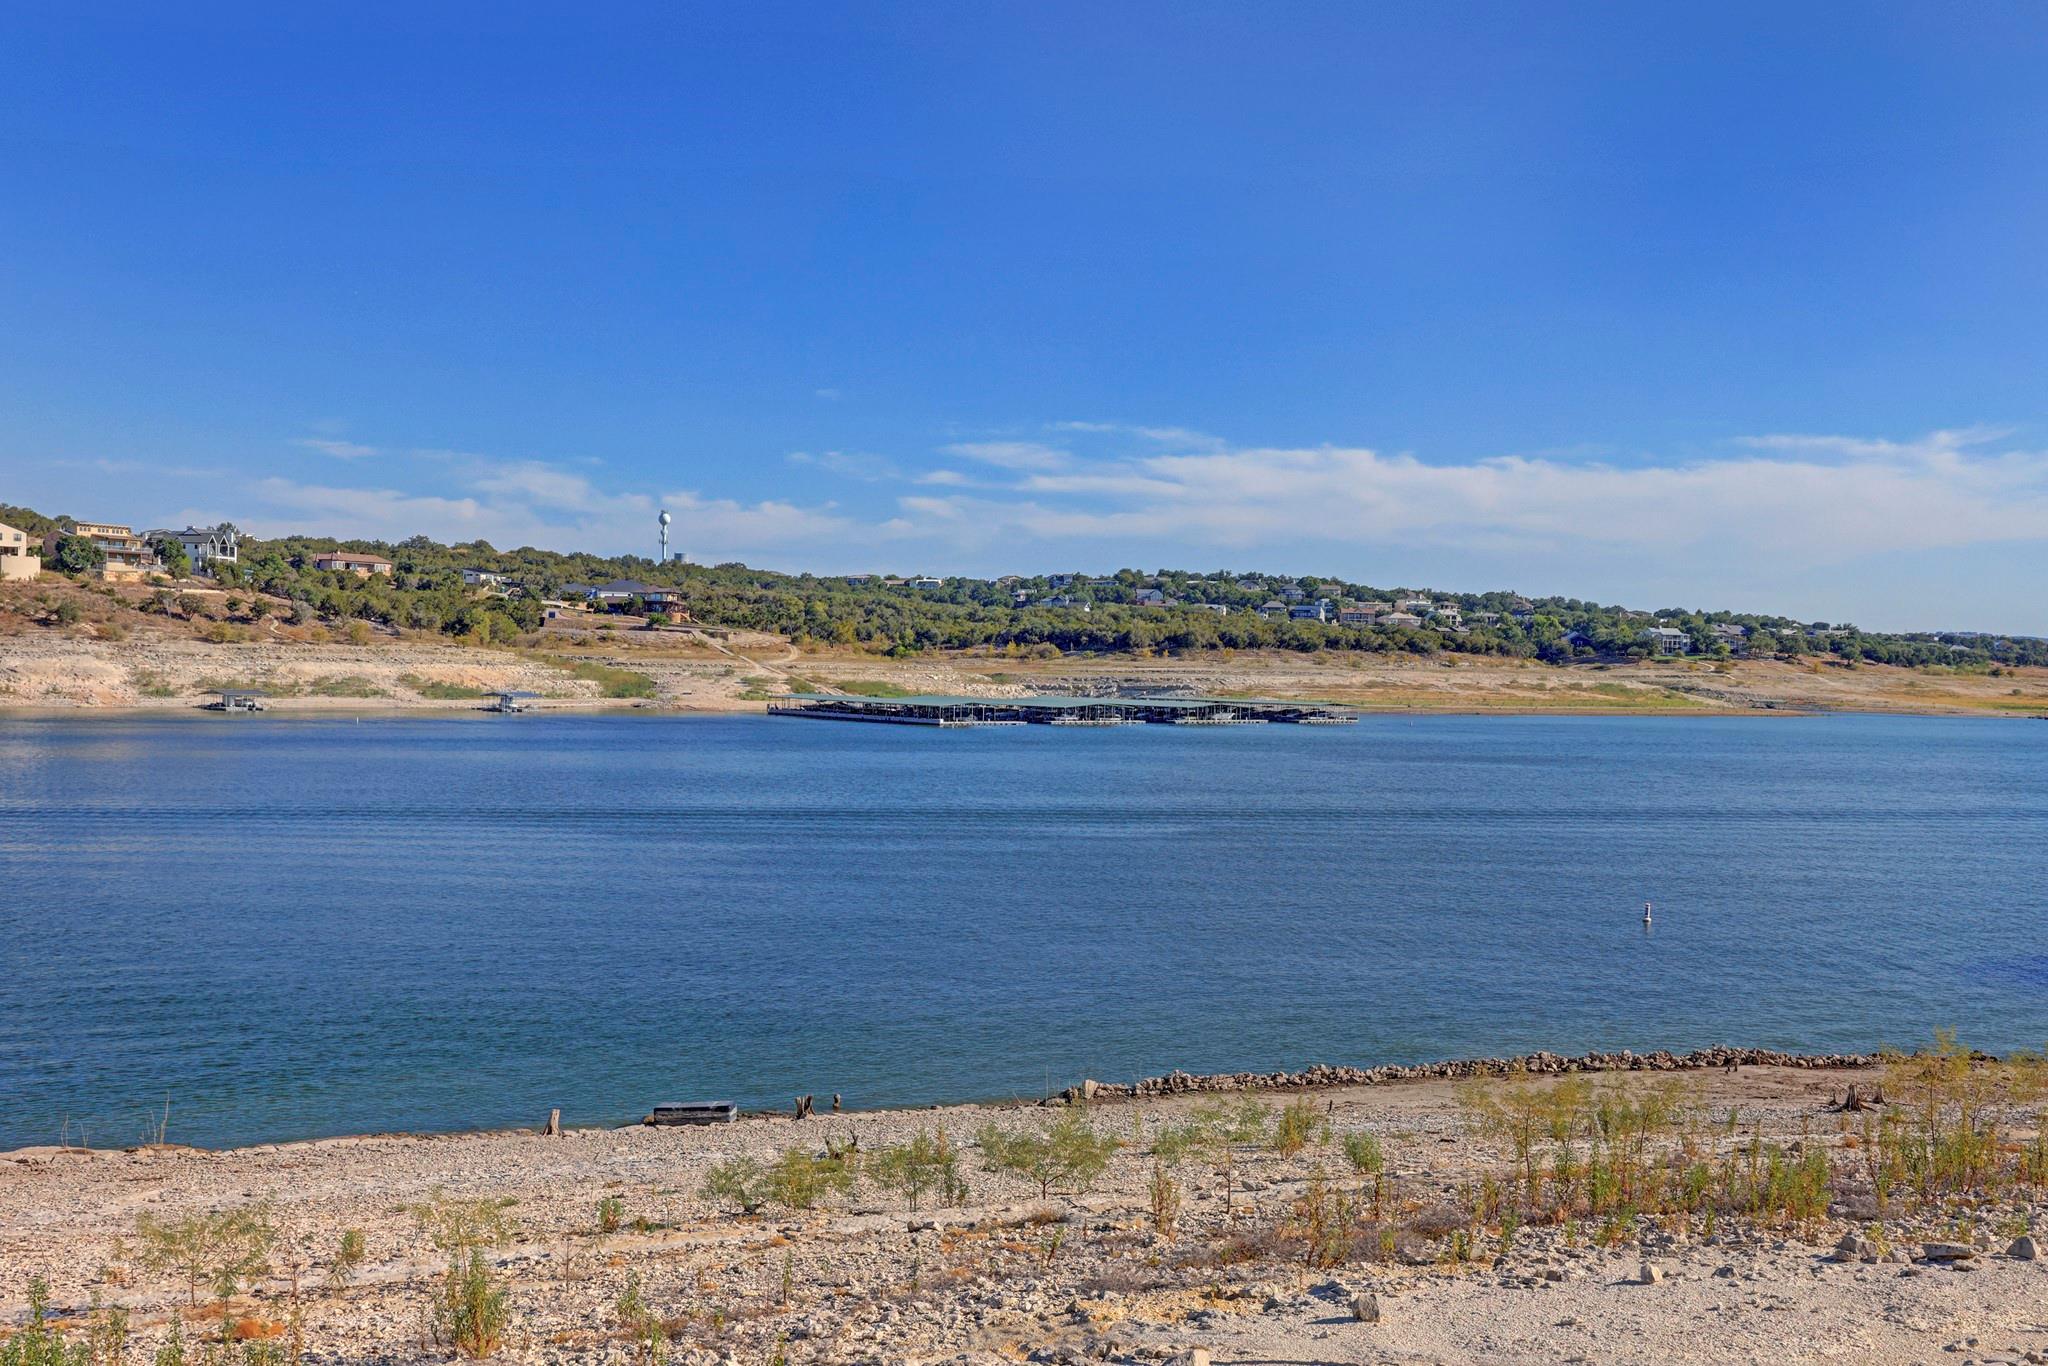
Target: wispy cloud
1184 437
1012 455
848 464
340 450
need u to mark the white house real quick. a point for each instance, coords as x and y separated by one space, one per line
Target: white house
18 554
204 545
1667 640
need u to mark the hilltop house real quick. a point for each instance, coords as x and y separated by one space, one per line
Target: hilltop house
1734 636
1069 602
483 578
924 581
619 592
352 562
1153 597
1667 640
1358 614
1408 619
1272 608
204 545
128 555
1319 610
18 557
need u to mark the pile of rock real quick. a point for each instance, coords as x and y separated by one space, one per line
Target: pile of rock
1719 1057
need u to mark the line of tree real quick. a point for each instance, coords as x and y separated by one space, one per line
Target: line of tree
426 593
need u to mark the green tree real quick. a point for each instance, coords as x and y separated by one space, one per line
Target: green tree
171 551
77 555
1067 1153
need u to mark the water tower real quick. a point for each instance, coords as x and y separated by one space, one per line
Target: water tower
665 520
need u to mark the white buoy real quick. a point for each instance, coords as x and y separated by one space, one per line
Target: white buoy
1646 912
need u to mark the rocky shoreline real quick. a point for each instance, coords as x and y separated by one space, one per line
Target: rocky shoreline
1541 1064
619 1242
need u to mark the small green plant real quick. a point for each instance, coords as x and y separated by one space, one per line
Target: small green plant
1362 1151
736 1182
220 1250
37 1344
1298 1126
641 1324
473 1308
611 1214
171 1352
1213 1132
1164 1194
348 1260
918 1168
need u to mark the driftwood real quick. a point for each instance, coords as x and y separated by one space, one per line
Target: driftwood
553 1128
1857 1100
835 1102
803 1107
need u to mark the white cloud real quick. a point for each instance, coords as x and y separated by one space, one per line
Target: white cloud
850 464
1166 436
340 450
1013 455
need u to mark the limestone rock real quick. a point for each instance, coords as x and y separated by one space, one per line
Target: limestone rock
1649 1274
1365 1307
2025 1248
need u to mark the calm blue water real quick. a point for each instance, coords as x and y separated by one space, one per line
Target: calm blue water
296 927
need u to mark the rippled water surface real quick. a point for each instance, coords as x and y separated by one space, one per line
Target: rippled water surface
296 927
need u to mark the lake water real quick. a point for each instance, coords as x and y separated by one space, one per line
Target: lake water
301 927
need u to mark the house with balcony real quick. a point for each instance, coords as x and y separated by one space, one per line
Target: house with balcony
128 556
1667 640
205 546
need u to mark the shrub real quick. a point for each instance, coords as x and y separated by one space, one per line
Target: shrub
611 1214
641 1324
798 1179
1362 1151
736 1182
1067 1153
348 1259
473 1307
221 1249
38 1344
919 1167
1298 1126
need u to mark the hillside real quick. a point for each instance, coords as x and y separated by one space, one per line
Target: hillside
64 644
1050 615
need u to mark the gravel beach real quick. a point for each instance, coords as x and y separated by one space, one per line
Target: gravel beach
1004 1274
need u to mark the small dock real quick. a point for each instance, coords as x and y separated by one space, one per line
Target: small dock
1058 711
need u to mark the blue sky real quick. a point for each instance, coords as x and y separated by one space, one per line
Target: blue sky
1740 306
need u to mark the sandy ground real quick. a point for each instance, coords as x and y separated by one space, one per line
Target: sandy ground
1008 1277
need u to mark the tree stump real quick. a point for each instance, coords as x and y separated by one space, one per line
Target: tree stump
553 1128
803 1107
835 1102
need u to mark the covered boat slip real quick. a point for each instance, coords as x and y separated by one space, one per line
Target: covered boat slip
935 710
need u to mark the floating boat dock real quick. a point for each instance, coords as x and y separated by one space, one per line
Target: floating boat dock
1058 711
